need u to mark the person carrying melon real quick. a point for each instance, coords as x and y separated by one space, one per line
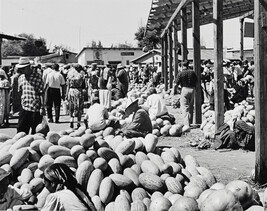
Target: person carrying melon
140 124
65 192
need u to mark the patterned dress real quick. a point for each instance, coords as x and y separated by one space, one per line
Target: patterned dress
76 82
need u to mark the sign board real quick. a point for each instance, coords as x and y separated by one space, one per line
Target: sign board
249 29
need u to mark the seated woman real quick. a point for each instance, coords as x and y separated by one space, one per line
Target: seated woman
65 192
9 195
140 125
155 104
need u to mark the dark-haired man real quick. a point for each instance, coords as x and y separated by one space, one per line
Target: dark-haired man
187 79
53 84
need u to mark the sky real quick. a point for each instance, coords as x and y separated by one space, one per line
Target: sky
76 23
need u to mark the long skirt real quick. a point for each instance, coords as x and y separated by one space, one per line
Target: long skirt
75 98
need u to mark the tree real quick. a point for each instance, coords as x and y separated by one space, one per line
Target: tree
30 47
149 39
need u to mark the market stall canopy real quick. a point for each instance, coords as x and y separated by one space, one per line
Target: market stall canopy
7 37
163 12
10 37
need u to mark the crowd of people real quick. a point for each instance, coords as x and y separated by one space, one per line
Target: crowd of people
30 87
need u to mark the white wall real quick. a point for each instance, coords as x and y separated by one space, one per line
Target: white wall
108 55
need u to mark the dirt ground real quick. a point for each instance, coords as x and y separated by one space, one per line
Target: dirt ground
226 166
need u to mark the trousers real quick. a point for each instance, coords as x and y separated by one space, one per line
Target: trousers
53 99
187 104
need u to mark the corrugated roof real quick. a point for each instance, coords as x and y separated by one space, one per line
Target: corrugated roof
162 10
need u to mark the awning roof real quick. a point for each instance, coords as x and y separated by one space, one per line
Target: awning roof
146 56
11 37
162 10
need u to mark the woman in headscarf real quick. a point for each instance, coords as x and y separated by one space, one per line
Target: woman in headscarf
4 98
75 85
65 192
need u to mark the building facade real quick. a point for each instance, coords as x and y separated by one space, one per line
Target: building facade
112 56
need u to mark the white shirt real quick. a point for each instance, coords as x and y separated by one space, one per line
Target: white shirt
55 79
156 104
96 116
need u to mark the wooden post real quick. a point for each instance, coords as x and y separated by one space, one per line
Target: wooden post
260 49
242 39
218 67
184 33
196 59
166 61
170 47
175 38
1 51
162 58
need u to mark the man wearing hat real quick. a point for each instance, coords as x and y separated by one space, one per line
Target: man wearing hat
122 82
187 79
9 195
31 86
140 125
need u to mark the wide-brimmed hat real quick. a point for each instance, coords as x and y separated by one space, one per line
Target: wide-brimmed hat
3 174
24 62
131 107
120 66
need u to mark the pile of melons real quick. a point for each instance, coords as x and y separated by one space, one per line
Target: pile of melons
122 174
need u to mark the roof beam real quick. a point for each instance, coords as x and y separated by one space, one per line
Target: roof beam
174 15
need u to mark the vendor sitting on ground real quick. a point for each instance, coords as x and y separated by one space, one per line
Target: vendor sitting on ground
241 135
97 117
140 125
155 104
9 195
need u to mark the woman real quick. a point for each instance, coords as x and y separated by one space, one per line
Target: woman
65 192
105 90
75 83
15 94
4 98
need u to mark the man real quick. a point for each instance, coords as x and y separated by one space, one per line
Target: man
31 86
140 125
122 82
156 106
54 82
97 118
187 79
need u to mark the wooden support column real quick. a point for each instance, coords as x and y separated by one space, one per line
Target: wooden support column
176 47
196 59
218 66
241 39
170 47
260 49
1 51
162 58
166 61
184 33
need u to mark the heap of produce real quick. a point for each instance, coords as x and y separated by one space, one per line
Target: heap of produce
242 111
122 174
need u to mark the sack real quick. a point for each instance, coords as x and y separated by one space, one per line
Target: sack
109 83
43 127
65 107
